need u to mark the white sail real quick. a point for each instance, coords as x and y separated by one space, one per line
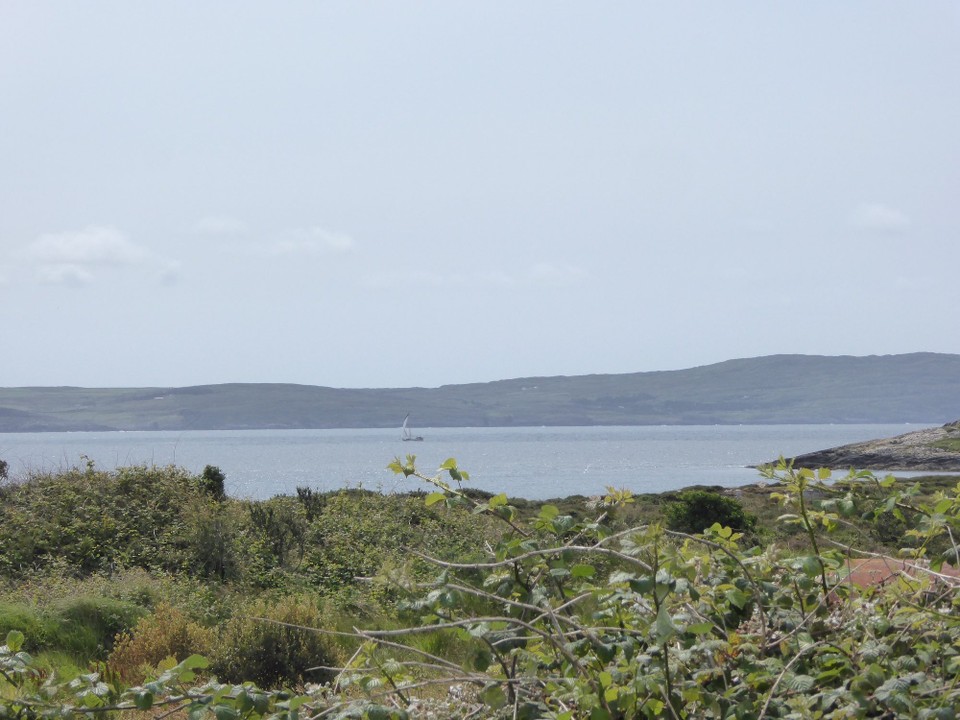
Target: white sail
405 433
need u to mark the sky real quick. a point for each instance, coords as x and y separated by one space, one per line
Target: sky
395 194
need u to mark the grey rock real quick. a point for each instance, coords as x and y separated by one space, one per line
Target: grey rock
913 451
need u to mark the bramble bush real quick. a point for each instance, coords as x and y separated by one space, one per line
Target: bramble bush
693 625
568 618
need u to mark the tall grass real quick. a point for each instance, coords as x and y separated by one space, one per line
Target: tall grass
83 628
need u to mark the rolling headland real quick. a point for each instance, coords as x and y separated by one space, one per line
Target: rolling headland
777 389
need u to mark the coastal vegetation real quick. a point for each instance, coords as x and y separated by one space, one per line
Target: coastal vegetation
148 589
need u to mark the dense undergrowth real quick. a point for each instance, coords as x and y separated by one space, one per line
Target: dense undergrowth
147 588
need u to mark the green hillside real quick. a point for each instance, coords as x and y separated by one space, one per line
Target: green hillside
917 387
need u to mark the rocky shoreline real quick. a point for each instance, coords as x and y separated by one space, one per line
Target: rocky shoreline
914 451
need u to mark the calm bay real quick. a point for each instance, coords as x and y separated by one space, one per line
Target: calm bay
535 463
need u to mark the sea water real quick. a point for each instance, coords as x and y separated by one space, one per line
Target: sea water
535 463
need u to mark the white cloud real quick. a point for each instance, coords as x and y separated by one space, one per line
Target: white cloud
94 245
72 257
879 218
220 225
312 242
64 274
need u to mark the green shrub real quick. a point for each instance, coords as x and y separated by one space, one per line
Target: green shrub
697 510
165 633
277 650
213 540
88 626
277 539
14 616
212 482
83 627
93 520
357 533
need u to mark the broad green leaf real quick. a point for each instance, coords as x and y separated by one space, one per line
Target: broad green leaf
195 662
261 703
498 500
700 628
665 629
582 570
15 640
798 683
944 505
654 707
225 712
605 651
737 597
721 530
494 697
549 512
143 700
449 464
243 701
434 498
293 703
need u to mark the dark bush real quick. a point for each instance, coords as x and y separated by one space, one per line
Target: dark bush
697 510
271 644
212 482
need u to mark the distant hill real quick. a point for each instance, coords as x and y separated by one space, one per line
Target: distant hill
917 387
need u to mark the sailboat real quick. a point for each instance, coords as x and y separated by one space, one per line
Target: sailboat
405 433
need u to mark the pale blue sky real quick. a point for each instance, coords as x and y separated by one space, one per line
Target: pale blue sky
396 193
